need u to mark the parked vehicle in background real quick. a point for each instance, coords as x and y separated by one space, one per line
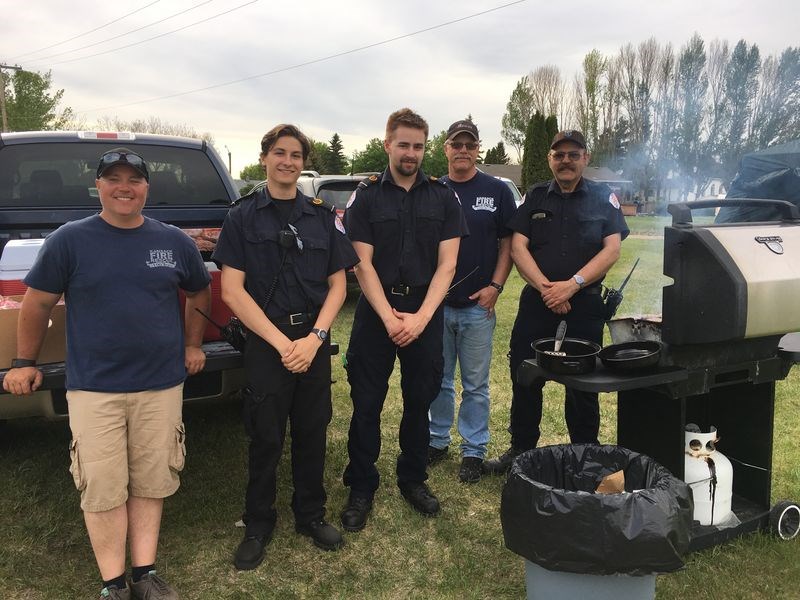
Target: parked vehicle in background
47 178
514 189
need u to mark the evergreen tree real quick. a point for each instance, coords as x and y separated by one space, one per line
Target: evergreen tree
537 145
337 163
496 155
372 158
319 157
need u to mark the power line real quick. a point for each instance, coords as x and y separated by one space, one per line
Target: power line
177 14
311 62
80 35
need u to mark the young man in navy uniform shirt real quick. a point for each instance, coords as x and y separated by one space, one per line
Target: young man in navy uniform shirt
567 235
283 261
484 262
406 229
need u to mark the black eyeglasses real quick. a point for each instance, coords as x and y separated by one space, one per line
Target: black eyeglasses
560 156
114 158
460 145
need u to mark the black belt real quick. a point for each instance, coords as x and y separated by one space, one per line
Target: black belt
295 319
590 291
402 289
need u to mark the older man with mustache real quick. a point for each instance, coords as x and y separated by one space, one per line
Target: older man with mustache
567 235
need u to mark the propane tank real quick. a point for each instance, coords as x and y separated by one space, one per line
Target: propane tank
709 474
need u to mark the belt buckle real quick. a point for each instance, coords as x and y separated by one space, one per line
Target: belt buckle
400 290
299 316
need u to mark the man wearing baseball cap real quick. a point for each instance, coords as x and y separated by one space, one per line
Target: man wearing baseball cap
567 235
124 380
484 262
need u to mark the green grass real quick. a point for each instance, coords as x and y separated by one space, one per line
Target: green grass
44 551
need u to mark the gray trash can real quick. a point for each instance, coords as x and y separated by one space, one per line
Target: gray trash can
578 543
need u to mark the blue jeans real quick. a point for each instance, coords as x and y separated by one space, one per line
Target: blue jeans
468 338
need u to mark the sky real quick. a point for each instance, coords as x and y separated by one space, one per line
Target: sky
235 68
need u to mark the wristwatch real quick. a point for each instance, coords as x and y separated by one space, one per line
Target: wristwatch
18 363
496 286
579 280
320 333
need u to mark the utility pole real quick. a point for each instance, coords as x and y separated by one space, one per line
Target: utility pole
229 161
3 92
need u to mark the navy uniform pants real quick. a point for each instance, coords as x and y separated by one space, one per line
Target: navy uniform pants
273 396
535 321
370 361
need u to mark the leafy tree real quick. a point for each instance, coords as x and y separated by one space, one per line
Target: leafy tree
519 111
319 157
32 106
337 163
537 145
372 158
777 109
254 172
435 161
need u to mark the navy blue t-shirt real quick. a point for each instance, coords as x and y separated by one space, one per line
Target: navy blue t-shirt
488 206
124 328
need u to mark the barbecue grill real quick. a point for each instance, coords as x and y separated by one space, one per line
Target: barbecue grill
727 337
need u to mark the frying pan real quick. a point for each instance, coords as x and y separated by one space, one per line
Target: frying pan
631 356
579 356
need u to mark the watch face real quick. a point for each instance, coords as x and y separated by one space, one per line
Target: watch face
321 334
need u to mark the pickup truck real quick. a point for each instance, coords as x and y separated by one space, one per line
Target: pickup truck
47 179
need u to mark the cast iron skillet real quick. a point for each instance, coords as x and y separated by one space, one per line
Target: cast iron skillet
580 356
631 356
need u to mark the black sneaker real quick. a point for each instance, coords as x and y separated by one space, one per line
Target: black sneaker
436 455
250 552
354 515
501 464
325 535
420 497
470 470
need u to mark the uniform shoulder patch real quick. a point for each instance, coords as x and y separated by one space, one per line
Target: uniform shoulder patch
612 198
339 225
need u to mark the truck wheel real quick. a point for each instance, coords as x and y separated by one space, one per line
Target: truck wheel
784 519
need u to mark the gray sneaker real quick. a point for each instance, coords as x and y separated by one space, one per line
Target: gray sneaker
152 587
114 593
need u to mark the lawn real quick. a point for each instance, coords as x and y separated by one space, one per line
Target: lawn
44 551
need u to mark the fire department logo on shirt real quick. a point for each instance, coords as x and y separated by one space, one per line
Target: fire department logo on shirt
612 198
161 258
484 203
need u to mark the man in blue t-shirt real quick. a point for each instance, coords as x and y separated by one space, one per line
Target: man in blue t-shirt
127 358
484 262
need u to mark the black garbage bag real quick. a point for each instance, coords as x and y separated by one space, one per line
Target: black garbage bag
552 517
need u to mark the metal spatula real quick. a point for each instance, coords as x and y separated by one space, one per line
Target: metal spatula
561 333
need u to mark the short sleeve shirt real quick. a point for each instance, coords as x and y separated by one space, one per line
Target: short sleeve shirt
120 286
249 242
404 227
488 206
566 230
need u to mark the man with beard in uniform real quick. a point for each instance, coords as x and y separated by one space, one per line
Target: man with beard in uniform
567 235
405 228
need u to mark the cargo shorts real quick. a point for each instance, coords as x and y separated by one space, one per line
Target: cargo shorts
125 444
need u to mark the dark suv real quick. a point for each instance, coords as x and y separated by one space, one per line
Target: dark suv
47 178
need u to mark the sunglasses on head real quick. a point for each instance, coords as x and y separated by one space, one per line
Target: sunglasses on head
111 158
460 145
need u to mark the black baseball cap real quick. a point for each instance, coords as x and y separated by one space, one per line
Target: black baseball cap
570 135
464 126
122 156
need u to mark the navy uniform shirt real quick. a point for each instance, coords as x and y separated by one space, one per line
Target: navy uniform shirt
249 242
404 227
566 229
488 205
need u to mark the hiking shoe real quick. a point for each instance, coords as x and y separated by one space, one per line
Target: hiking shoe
501 464
250 552
420 497
325 535
354 515
436 455
152 587
114 593
470 470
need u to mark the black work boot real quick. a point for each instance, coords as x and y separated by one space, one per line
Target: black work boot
470 470
501 464
250 552
436 455
355 513
324 534
420 497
